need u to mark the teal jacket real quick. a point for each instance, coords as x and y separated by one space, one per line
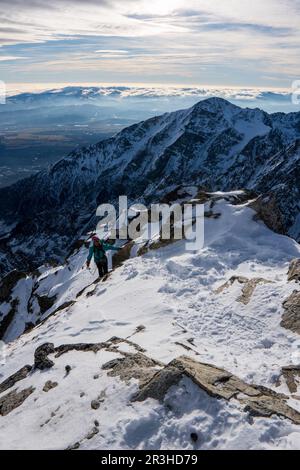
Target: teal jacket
98 253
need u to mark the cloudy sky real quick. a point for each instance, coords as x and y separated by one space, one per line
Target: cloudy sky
184 42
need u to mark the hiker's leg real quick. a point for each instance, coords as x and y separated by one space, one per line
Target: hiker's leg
102 269
105 266
99 266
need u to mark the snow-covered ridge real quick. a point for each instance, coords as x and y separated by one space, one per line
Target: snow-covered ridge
220 305
214 144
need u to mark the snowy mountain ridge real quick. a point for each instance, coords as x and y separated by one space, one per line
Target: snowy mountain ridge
214 144
175 350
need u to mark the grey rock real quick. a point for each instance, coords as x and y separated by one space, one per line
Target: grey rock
218 383
14 378
41 360
13 400
49 385
294 270
132 366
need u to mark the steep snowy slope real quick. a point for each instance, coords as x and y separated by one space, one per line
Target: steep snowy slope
104 382
214 143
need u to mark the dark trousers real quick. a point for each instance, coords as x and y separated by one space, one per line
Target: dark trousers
102 267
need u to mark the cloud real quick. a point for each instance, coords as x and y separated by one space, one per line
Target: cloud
8 58
191 40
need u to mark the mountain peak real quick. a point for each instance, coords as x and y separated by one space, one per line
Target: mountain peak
216 103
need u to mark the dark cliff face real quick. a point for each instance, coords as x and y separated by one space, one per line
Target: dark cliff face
214 144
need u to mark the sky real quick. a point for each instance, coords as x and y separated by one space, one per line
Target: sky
182 42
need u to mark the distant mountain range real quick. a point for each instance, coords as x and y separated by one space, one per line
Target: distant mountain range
215 144
96 93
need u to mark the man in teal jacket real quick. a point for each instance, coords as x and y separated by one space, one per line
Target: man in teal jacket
98 249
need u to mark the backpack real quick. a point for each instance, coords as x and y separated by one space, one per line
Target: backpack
99 251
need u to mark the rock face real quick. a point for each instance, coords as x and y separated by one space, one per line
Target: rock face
291 317
258 401
294 270
249 286
132 366
267 210
213 144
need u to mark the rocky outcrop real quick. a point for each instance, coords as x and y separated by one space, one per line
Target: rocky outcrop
84 347
14 378
110 345
291 317
41 360
292 377
294 270
218 383
6 321
132 366
13 400
155 379
249 286
267 210
45 303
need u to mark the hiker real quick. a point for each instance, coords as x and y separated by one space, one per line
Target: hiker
98 249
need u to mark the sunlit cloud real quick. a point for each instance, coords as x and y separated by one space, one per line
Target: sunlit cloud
192 41
7 58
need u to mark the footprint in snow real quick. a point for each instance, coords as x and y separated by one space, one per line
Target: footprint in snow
96 322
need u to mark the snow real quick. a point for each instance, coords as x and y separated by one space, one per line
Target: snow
217 423
172 293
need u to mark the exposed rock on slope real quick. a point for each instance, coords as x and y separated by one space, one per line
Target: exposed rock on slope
259 401
155 380
294 270
249 286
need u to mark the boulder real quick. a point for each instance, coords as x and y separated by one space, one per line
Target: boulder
249 286
49 385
